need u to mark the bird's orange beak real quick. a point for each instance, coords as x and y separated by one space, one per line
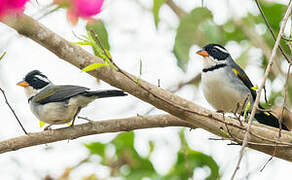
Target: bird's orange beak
23 84
203 53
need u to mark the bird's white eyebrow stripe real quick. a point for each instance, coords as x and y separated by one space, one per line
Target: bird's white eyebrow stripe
42 78
221 49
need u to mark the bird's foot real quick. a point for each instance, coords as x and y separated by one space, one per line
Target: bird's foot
48 127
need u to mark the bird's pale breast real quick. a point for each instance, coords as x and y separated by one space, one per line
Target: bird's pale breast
221 93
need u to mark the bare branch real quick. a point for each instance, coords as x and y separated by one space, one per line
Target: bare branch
90 128
160 98
257 100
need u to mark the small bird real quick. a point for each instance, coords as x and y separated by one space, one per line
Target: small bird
58 104
226 86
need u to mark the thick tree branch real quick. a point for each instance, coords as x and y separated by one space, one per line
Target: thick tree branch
94 127
152 94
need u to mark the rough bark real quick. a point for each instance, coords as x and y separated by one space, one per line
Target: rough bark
90 128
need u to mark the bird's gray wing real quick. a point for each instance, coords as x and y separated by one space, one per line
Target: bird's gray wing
244 78
58 93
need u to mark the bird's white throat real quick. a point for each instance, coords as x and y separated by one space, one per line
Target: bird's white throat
210 61
30 91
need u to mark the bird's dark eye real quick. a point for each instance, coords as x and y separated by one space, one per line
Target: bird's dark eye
214 50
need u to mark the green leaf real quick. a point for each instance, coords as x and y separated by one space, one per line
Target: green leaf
99 50
124 140
224 132
96 148
190 32
155 10
138 79
274 13
243 59
139 167
2 55
98 27
246 109
81 43
93 67
151 144
212 31
42 124
188 162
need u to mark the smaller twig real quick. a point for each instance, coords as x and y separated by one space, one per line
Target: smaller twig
149 111
270 159
236 114
265 93
271 31
2 55
280 119
85 118
177 10
6 101
75 35
233 144
87 159
266 163
218 139
95 36
286 38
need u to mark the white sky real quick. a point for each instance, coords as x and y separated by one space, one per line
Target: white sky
132 37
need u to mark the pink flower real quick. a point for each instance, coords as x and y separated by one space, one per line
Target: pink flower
86 8
11 6
80 8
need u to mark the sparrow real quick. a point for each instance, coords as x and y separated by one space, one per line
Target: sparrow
58 104
226 86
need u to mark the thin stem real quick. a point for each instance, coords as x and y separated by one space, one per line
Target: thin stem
255 106
271 30
6 100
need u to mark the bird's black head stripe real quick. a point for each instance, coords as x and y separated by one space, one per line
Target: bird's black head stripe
36 79
216 51
217 66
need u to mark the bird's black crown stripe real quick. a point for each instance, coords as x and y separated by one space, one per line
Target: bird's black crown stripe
216 51
36 79
217 66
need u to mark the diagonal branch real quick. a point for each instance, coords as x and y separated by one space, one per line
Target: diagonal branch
158 97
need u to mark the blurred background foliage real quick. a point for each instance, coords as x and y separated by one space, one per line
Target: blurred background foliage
196 27
122 160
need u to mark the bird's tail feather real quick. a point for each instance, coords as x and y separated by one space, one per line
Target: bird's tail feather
268 119
105 93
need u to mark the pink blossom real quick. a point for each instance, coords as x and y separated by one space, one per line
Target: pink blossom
80 8
86 8
11 6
